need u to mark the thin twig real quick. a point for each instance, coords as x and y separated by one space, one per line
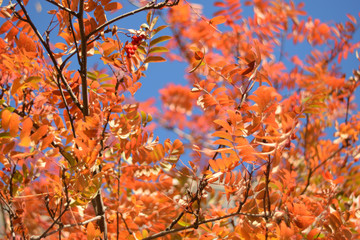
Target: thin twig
56 221
68 226
66 106
62 7
150 5
311 171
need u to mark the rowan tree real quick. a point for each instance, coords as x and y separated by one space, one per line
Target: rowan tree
267 144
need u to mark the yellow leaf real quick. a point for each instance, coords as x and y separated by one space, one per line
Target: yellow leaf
25 141
154 59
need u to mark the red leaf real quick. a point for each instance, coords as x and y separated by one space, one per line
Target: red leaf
113 6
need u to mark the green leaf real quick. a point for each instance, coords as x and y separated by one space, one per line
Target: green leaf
149 119
92 76
158 29
183 224
154 59
143 116
107 85
33 81
201 63
5 135
159 40
153 22
141 49
148 17
158 50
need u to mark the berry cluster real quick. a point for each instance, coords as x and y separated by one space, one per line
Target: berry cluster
130 48
6 169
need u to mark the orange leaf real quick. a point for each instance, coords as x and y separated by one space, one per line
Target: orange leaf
285 231
5 119
304 221
224 124
92 232
5 27
352 18
221 164
217 20
313 234
327 176
25 132
39 133
323 29
46 141
27 125
14 124
25 141
222 134
213 165
223 142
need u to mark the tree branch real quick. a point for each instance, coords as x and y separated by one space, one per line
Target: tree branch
62 7
194 226
150 5
51 55
83 64
311 171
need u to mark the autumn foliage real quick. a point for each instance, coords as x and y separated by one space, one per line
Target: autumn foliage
268 141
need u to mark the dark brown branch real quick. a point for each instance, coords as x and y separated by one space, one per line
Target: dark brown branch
83 64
